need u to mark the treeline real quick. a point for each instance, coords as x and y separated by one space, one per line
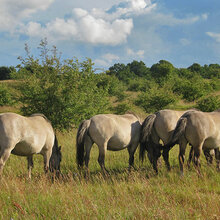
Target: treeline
162 85
70 91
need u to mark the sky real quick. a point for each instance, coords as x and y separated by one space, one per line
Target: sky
109 32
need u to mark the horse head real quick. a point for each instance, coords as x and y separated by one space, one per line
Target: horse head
55 158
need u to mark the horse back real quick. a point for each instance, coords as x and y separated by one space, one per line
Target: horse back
27 134
203 126
118 130
165 123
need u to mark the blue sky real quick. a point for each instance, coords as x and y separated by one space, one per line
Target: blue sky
109 32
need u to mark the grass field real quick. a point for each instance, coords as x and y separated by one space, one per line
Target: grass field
139 194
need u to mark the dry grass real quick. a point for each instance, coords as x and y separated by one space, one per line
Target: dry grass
120 195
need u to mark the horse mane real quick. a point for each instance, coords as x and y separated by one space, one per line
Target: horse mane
41 115
132 113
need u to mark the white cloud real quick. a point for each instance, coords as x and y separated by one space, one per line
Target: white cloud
204 16
139 53
12 12
159 19
216 36
110 57
96 26
106 60
87 29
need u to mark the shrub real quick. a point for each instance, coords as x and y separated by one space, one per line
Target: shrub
5 96
156 99
66 92
139 84
121 108
111 83
209 104
192 89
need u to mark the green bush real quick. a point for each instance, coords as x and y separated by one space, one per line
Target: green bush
111 83
156 99
121 108
5 96
66 92
192 89
139 84
209 104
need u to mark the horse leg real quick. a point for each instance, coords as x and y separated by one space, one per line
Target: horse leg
30 165
197 153
166 158
131 150
88 146
191 153
47 156
208 156
182 150
217 158
4 155
101 158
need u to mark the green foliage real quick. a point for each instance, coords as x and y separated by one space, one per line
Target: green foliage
140 84
156 99
138 68
5 96
5 72
162 70
192 89
110 83
121 71
209 104
195 68
66 93
121 108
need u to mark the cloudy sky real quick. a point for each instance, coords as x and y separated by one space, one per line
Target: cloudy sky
109 32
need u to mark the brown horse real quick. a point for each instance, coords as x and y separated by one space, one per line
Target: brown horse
25 136
201 130
109 132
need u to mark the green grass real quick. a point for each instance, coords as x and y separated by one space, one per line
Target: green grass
120 195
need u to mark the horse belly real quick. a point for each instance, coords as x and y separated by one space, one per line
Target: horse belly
24 149
115 144
211 143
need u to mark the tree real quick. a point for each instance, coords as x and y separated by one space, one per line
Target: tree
162 70
66 92
138 68
195 68
5 72
121 71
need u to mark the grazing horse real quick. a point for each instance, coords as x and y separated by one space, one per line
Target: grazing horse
109 132
25 136
201 130
156 127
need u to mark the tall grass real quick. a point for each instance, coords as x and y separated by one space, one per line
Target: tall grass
139 194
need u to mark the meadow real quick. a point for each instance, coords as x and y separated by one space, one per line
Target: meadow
139 194
78 94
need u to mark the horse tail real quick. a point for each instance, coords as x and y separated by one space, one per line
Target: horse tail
178 132
146 131
80 137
